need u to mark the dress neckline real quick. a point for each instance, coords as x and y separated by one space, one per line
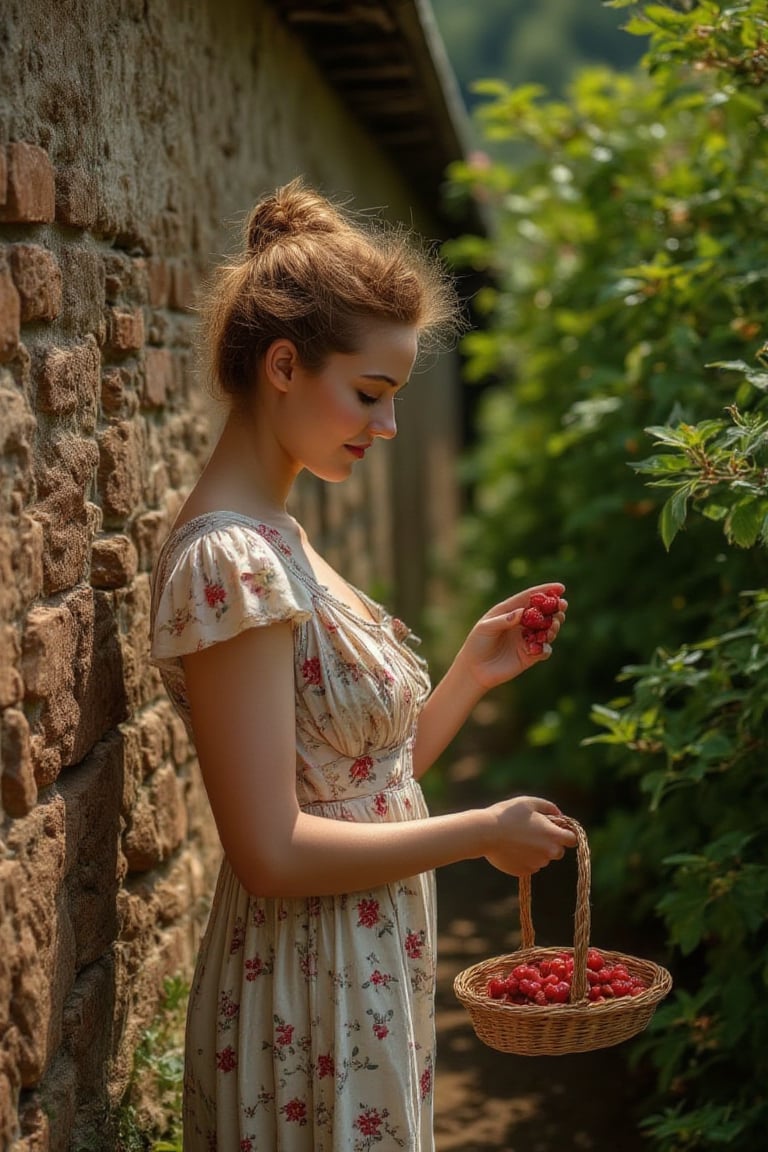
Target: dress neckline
379 616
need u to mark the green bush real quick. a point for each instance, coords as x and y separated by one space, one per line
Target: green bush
623 448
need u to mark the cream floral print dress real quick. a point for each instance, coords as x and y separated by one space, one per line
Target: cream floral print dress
311 1021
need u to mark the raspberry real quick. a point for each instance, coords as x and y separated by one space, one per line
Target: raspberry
560 993
595 960
497 989
534 619
546 603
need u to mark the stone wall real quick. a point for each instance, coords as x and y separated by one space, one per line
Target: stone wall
133 135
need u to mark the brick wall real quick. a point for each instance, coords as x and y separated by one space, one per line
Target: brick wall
132 134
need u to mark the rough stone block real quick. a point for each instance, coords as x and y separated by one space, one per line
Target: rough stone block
37 277
65 471
98 670
159 377
42 959
182 293
114 562
72 669
69 380
140 680
11 684
48 651
19 788
159 281
92 795
125 329
30 194
87 1037
76 198
155 739
17 433
158 822
125 280
119 396
120 471
55 1105
28 560
82 273
9 1092
49 645
10 314
148 532
21 568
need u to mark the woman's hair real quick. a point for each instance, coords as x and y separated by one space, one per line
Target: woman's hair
313 274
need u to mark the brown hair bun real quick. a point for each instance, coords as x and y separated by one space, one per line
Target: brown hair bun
313 273
290 212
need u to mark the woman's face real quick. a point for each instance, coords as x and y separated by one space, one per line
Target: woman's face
327 419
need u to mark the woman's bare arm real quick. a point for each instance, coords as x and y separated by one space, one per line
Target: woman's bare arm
493 653
241 695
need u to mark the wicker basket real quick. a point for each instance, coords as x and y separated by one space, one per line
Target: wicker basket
579 1025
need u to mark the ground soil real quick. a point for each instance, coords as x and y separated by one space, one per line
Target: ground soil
488 1101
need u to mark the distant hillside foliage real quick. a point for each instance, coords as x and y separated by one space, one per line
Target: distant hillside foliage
523 42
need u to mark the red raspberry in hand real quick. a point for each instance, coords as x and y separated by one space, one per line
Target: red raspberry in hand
546 604
534 619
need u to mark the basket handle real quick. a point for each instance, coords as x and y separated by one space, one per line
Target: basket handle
581 925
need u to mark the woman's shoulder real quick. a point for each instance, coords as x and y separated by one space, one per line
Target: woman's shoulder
219 572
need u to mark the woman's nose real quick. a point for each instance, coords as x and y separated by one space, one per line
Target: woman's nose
384 423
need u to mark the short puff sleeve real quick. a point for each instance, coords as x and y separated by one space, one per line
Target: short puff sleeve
218 584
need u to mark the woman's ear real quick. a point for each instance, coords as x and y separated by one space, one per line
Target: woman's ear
280 363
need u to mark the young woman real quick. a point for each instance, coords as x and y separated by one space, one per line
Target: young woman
310 1025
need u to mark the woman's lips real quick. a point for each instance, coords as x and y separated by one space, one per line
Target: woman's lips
356 450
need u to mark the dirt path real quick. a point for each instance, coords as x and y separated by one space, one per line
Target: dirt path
488 1101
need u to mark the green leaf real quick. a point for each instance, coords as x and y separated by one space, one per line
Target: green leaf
661 465
672 516
745 522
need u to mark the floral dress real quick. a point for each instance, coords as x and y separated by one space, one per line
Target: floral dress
311 1021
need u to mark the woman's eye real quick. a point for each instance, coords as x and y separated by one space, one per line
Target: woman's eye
364 398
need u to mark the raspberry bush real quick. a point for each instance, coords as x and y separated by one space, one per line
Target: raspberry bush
623 444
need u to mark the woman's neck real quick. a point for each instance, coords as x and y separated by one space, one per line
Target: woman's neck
246 471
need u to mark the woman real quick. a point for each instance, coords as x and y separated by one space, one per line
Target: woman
310 1025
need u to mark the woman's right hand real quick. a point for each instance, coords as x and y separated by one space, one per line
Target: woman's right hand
526 838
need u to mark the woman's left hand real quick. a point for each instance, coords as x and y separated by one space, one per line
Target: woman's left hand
496 651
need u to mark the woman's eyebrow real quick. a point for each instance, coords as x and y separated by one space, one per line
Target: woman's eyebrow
382 376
